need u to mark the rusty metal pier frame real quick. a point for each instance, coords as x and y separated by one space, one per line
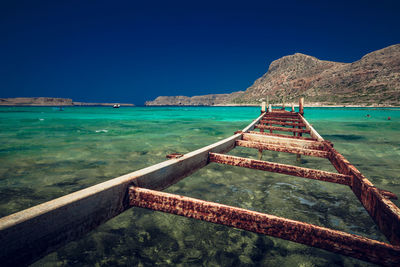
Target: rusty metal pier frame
30 234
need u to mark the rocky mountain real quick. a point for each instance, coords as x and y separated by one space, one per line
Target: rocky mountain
372 80
49 101
202 100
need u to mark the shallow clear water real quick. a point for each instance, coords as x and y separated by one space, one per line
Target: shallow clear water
46 153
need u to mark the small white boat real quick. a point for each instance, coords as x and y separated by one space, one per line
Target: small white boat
116 106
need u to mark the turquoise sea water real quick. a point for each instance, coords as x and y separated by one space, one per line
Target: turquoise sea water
46 153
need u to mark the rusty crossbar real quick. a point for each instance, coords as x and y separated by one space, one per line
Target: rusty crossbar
290 119
284 141
278 148
282 113
282 135
283 123
300 232
30 234
284 129
281 168
283 118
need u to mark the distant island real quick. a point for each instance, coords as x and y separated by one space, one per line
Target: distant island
374 80
50 101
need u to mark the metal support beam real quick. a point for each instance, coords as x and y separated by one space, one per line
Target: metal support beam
275 118
283 141
274 115
335 241
283 123
282 135
283 129
281 168
383 211
287 149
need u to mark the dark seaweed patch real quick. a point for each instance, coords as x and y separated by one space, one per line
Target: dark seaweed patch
349 137
76 164
22 197
67 183
8 194
361 125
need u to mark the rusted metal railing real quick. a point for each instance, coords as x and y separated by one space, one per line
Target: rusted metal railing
30 234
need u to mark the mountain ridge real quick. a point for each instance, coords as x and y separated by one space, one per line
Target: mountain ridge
372 80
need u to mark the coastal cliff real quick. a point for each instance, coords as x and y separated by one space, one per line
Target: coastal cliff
49 101
202 100
372 80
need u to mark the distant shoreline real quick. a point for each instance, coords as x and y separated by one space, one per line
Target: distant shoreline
51 102
90 105
310 105
67 102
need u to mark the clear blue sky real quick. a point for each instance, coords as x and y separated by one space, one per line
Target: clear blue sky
133 51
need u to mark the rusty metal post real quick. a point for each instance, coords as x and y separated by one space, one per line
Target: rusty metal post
263 107
301 105
260 151
292 107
